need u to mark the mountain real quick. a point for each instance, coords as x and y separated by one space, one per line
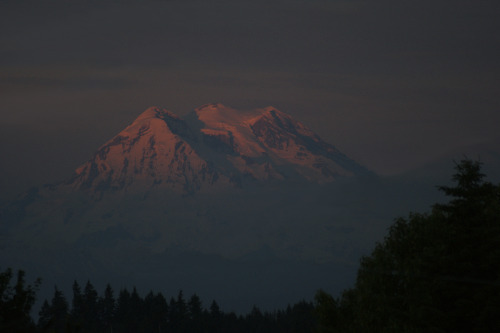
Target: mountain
215 145
247 207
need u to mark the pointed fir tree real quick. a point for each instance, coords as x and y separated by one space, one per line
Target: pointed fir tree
123 311
434 272
54 317
16 302
90 307
107 308
195 314
77 305
45 320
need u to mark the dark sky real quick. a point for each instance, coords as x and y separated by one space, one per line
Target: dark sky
393 84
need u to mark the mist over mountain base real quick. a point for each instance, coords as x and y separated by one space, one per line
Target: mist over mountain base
268 245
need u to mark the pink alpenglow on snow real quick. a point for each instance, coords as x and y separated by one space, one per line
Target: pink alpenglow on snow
213 146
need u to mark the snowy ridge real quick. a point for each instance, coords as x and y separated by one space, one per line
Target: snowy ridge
215 144
146 153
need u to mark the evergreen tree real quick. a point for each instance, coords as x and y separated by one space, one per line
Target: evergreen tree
437 272
255 320
16 302
123 311
215 317
45 320
181 305
90 311
194 307
303 320
54 317
195 314
156 312
77 306
178 314
215 311
107 309
327 312
135 311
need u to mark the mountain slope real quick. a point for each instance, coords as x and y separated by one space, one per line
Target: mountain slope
214 144
151 151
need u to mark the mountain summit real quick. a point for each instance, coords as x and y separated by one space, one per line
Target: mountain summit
213 145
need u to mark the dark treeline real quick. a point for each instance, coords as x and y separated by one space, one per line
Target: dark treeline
130 312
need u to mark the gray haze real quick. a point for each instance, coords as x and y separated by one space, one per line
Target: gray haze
393 84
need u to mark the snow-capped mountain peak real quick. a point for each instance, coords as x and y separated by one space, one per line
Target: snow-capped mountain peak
215 144
156 112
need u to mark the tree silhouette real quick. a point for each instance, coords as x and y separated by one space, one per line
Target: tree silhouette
155 312
54 317
123 312
90 308
77 306
195 314
107 308
327 312
16 302
436 272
